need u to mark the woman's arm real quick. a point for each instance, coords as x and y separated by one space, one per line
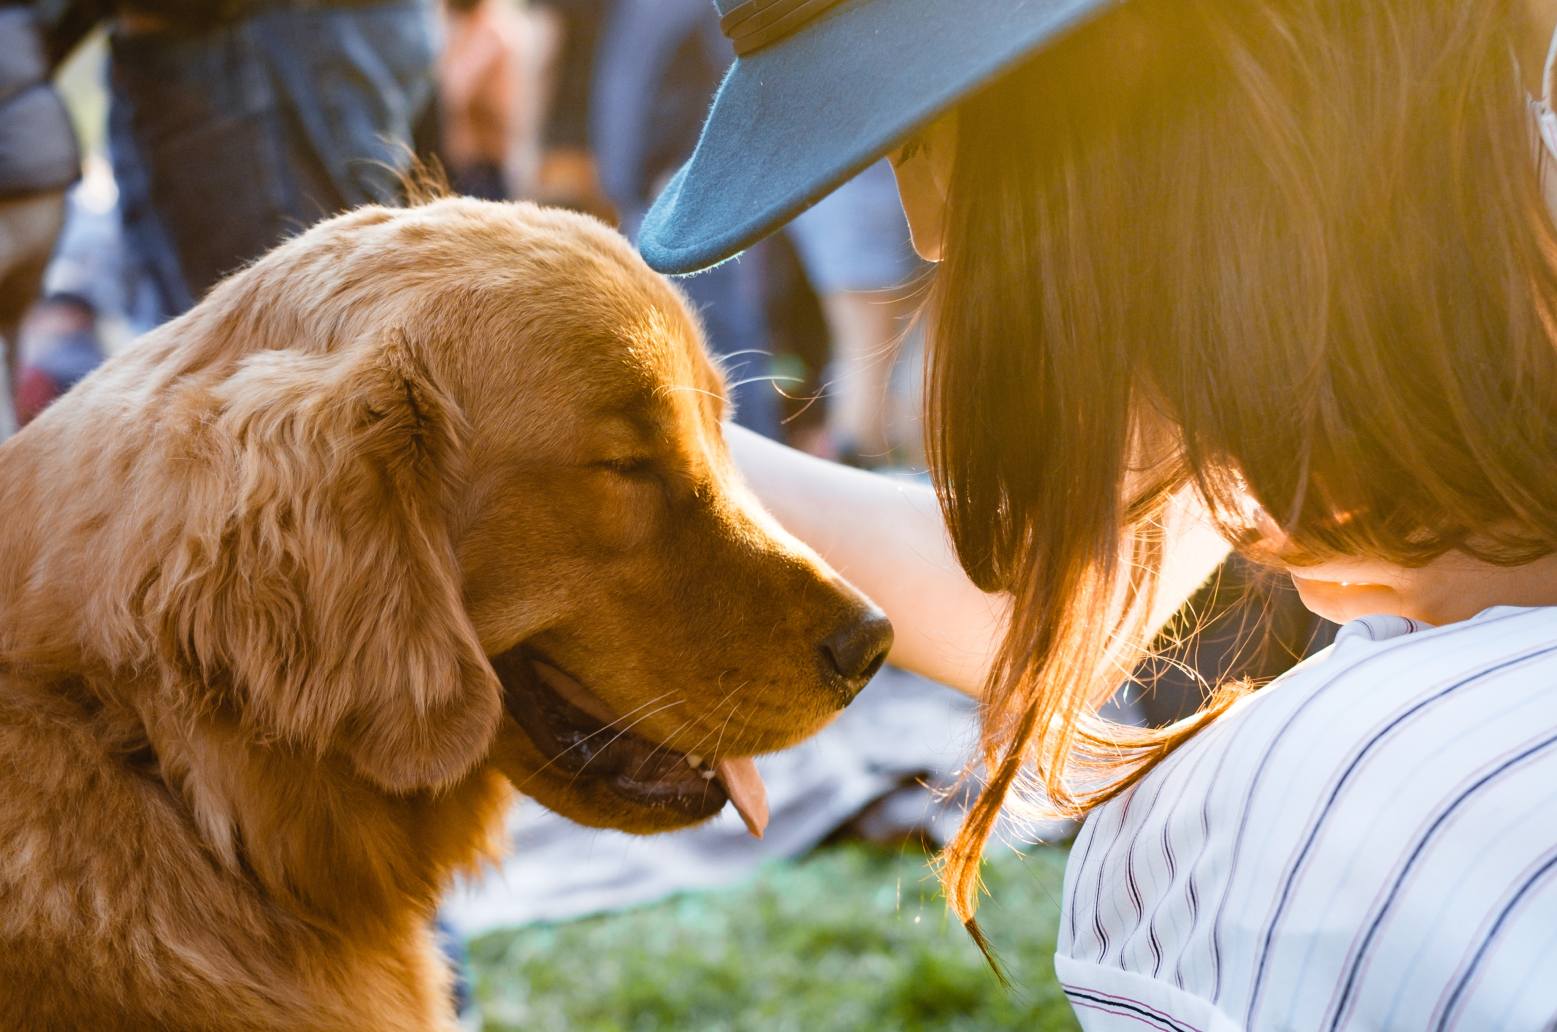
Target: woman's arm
886 536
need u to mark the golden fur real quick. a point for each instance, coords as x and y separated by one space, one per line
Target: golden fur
251 575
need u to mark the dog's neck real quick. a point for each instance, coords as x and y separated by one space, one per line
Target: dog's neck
312 833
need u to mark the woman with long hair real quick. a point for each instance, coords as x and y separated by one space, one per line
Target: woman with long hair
1280 268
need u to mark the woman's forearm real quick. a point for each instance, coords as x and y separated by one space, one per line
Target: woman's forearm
885 535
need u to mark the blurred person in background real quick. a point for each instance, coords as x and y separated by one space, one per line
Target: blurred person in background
38 159
60 346
857 254
235 125
90 259
93 302
567 33
658 65
488 92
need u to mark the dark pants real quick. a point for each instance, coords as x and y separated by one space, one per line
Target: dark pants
480 179
226 142
1245 622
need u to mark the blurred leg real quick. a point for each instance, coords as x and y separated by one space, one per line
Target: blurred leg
199 117
863 328
28 228
250 132
148 249
856 252
867 328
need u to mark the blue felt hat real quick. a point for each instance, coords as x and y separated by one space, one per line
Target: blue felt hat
821 90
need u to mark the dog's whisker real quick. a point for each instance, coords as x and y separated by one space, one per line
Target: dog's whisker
664 746
767 379
812 400
658 747
609 727
628 728
635 711
724 726
683 387
709 733
747 351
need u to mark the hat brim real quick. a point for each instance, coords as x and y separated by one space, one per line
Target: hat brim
797 119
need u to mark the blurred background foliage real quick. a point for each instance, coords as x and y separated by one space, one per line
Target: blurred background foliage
852 938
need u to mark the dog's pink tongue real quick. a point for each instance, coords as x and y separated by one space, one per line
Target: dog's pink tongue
744 786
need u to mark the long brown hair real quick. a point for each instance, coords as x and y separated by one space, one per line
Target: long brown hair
1294 248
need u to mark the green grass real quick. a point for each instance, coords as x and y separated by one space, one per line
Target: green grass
851 939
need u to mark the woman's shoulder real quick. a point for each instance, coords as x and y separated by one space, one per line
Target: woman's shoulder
1382 818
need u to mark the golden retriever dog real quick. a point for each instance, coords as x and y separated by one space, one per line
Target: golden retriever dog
423 505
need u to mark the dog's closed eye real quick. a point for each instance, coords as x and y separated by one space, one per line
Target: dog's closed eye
630 466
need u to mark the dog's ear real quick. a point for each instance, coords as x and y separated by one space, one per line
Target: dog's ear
316 587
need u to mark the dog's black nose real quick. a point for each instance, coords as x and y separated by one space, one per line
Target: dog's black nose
852 655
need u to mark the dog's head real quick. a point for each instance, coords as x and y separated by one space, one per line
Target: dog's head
454 489
646 617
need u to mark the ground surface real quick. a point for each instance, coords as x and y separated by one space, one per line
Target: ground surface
851 939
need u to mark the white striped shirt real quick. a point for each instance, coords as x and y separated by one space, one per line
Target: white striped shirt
1368 843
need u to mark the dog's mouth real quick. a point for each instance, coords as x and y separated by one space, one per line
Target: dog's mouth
579 735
